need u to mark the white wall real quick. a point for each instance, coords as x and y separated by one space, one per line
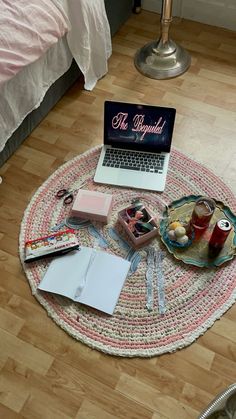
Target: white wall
220 13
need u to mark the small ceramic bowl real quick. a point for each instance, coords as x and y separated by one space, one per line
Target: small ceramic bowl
174 243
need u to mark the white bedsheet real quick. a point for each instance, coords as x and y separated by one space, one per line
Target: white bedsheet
89 43
24 92
89 37
28 30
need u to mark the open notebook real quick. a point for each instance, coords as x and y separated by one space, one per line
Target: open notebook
87 276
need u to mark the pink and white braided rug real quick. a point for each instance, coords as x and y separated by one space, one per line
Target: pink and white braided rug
195 297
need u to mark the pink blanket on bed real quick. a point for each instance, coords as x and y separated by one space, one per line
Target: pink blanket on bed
27 30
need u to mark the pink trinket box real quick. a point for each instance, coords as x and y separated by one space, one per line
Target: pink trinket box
138 240
92 205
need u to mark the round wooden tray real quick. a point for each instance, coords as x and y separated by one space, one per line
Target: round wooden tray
197 253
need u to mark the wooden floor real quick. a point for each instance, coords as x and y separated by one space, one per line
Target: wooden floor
44 373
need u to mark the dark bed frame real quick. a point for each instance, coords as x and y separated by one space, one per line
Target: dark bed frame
118 12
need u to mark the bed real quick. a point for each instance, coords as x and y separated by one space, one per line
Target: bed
44 48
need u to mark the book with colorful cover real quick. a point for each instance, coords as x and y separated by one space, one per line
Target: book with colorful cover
54 244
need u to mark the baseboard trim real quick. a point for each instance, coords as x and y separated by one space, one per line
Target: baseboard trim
221 13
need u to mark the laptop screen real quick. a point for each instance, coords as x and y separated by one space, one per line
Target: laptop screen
138 127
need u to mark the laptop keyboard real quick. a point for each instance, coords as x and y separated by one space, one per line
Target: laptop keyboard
133 160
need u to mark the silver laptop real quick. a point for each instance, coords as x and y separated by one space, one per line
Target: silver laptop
137 143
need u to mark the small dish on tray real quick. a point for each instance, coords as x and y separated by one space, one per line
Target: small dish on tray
176 244
197 254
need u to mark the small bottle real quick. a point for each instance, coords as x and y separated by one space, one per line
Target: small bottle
219 235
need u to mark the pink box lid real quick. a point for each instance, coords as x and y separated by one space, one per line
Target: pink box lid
92 202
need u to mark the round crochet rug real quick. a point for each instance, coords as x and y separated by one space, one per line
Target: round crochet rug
195 297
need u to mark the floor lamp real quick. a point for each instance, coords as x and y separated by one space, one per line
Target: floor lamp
162 59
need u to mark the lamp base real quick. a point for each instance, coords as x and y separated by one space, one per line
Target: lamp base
162 61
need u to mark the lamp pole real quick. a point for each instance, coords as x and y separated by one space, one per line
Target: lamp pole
162 59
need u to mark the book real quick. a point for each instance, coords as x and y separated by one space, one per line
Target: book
88 276
52 245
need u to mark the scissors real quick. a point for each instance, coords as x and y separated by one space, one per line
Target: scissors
67 194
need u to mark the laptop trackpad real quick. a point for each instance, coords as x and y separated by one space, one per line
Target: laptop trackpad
131 178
